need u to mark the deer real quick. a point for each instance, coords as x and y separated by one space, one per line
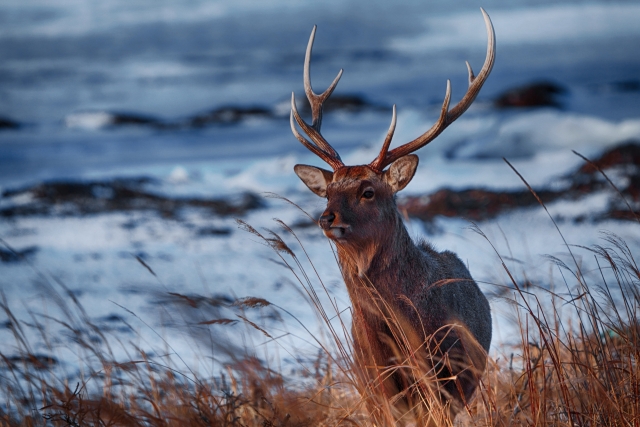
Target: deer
409 301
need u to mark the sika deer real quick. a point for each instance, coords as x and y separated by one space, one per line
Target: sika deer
412 305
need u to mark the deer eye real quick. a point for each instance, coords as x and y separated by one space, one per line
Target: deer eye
368 194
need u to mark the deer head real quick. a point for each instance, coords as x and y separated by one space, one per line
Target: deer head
361 198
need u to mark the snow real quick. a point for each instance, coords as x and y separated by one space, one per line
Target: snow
64 95
547 24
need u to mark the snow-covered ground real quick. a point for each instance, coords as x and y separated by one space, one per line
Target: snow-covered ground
67 68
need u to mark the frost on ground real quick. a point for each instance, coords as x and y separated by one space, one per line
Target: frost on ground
134 251
125 159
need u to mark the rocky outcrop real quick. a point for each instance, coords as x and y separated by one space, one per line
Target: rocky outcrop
93 197
479 204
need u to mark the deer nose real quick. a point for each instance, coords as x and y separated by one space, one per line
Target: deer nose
326 220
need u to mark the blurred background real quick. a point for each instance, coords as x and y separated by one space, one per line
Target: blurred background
134 132
70 67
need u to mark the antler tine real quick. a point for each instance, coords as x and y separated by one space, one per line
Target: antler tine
448 116
475 83
315 100
375 165
312 132
319 146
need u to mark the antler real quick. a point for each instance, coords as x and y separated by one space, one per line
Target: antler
447 116
320 147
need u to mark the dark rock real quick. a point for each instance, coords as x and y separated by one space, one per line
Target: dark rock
627 86
213 231
12 255
350 103
539 94
193 300
129 119
229 115
622 214
481 204
83 198
6 123
231 206
112 318
37 361
113 119
633 188
626 153
473 204
224 115
624 158
621 86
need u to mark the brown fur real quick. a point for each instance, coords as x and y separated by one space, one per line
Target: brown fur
411 304
421 326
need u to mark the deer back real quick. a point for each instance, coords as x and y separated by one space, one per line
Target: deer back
408 299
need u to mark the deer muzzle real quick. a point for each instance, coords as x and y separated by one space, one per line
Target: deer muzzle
333 229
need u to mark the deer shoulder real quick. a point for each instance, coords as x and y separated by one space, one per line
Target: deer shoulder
408 299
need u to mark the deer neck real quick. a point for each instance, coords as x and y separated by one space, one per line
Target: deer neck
376 262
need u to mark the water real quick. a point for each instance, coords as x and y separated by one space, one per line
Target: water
172 62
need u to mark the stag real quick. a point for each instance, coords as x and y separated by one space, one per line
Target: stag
411 303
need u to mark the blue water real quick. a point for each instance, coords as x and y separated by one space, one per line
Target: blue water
172 61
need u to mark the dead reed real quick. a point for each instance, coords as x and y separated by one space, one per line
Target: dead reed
576 363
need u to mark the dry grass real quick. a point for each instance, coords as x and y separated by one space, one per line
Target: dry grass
576 364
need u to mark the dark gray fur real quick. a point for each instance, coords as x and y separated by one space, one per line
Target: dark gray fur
429 296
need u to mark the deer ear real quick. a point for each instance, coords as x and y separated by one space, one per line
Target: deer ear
401 172
315 178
